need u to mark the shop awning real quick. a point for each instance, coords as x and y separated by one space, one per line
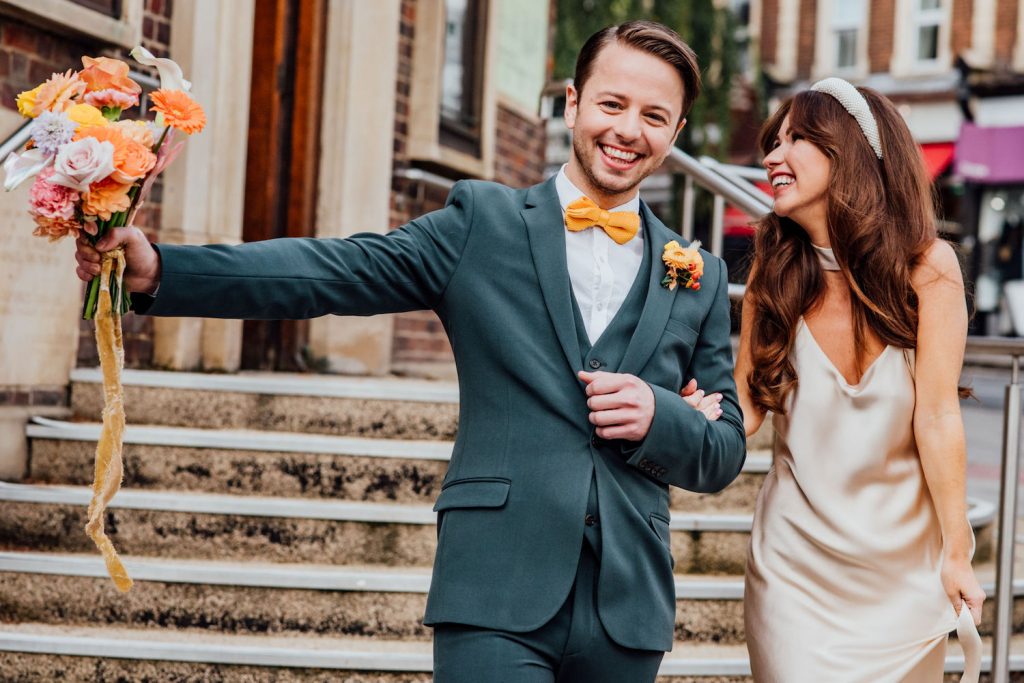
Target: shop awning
937 157
990 155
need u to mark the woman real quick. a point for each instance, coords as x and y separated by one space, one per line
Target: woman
853 332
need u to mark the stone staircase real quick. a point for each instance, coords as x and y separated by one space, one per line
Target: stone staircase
279 528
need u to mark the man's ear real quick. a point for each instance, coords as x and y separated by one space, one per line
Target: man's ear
571 106
679 129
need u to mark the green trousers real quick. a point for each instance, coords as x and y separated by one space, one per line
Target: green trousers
572 647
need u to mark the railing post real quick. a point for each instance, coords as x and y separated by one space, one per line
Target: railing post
1007 528
688 199
717 225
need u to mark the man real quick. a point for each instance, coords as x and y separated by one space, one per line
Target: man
553 557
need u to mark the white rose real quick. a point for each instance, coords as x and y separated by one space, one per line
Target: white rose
81 163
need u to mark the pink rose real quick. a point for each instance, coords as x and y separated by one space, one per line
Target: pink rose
51 201
83 162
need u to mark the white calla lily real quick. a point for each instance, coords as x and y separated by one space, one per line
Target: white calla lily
171 76
20 167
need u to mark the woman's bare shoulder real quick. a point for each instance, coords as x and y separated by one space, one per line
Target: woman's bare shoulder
938 265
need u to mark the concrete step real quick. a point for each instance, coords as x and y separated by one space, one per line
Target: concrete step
38 652
210 526
253 462
261 598
388 407
312 404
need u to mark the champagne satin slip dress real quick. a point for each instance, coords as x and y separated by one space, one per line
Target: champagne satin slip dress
842 581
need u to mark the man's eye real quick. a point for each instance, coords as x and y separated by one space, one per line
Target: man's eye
656 117
611 105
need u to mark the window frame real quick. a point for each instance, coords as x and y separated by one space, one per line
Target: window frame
71 17
426 143
826 44
909 19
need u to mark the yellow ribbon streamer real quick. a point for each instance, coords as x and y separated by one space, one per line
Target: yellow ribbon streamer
109 465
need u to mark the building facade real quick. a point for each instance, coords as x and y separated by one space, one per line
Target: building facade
326 118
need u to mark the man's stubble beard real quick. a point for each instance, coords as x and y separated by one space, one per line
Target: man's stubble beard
585 167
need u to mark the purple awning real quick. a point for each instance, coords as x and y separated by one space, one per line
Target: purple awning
990 155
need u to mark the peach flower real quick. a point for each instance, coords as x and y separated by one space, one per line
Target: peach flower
104 73
131 160
106 198
58 93
179 110
139 131
56 228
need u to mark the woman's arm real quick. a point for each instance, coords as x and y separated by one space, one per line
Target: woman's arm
938 427
752 415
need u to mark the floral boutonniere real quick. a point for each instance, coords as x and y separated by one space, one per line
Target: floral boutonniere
684 265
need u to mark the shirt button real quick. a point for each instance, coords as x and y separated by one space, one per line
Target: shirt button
590 520
595 363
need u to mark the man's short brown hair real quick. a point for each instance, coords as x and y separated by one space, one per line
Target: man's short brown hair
652 38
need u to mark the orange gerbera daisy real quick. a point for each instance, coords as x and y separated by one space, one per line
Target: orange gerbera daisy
180 111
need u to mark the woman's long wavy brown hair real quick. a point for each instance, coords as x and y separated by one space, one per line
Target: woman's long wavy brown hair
881 219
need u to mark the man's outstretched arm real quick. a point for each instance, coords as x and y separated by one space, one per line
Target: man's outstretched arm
291 278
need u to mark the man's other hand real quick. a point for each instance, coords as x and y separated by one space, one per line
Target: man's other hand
621 406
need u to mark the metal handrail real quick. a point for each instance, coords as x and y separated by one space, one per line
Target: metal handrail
714 182
1014 348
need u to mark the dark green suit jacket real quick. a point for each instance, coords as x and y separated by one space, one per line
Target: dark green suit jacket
492 265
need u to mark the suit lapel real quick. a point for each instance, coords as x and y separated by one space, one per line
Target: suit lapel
545 227
659 299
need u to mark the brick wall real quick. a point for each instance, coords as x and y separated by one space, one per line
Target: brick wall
1006 30
519 161
805 38
881 20
962 25
769 31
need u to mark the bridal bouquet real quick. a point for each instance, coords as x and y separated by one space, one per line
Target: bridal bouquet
92 170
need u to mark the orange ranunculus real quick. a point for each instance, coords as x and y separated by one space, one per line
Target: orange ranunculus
179 110
58 93
131 159
139 131
104 73
106 198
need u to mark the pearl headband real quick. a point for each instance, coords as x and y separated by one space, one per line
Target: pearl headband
853 102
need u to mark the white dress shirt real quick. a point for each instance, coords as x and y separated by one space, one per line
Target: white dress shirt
600 270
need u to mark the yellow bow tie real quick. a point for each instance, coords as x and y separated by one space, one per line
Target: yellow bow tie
583 213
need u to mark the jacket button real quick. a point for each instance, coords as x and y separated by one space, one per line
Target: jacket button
596 441
590 520
595 363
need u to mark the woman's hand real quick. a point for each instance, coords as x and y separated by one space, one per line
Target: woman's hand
709 404
961 584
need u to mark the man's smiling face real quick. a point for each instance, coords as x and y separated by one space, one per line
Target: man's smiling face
623 123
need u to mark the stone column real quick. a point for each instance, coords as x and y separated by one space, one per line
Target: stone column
203 199
355 168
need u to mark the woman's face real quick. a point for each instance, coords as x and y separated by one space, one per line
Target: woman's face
799 174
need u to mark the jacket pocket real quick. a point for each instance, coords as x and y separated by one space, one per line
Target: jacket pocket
661 527
682 331
477 492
